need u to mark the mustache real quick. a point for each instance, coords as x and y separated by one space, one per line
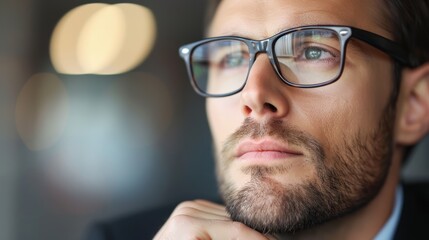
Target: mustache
276 129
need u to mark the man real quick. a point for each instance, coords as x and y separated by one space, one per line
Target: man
311 124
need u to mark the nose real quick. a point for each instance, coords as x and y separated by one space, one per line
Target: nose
263 96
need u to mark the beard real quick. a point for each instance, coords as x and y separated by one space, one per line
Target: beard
344 181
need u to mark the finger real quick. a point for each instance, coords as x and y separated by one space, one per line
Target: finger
203 206
198 213
196 228
210 204
198 209
220 230
214 207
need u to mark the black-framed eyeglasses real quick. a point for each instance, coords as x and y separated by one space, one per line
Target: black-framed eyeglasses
304 57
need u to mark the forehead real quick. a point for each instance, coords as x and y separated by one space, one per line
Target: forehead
259 19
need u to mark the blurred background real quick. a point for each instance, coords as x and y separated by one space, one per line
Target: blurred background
97 118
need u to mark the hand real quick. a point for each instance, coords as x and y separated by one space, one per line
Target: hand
204 220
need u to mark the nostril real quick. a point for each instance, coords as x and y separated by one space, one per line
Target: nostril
247 110
271 107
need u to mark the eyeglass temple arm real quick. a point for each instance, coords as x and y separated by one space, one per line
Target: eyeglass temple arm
385 45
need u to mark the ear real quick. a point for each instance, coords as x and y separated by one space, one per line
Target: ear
413 106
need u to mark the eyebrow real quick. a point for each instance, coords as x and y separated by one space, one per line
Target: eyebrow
312 18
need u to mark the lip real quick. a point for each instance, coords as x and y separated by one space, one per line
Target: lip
265 149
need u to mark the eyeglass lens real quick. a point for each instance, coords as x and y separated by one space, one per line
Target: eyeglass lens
303 57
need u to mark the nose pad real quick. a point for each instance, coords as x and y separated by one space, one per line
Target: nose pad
264 95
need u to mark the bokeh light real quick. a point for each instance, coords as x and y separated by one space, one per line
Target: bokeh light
42 111
109 146
102 39
65 37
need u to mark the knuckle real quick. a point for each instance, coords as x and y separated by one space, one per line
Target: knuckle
186 208
186 228
185 204
186 211
181 220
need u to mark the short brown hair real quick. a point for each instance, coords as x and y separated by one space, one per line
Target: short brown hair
409 21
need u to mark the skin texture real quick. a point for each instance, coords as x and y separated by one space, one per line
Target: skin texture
347 138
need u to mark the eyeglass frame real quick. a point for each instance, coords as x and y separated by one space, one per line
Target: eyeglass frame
345 33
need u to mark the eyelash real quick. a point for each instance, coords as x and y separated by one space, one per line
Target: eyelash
324 49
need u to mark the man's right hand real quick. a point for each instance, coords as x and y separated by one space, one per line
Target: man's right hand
204 220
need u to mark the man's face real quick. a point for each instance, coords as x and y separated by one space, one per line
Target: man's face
290 158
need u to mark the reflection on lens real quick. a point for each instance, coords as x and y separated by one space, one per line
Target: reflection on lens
220 67
310 56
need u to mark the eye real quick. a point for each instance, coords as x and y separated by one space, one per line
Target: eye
313 53
234 60
316 53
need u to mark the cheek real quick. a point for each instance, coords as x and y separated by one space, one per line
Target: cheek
351 106
368 84
224 117
369 94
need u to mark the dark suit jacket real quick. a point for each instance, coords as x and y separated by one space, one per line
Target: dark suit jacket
413 223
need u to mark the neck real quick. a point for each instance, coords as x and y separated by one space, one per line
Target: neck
366 222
